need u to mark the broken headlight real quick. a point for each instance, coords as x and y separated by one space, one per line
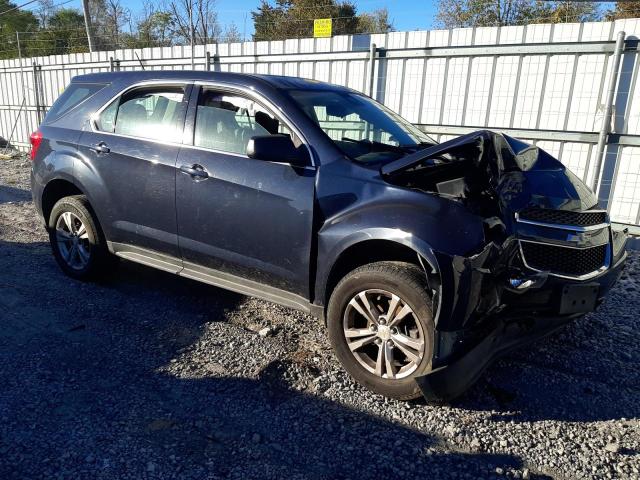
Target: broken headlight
619 241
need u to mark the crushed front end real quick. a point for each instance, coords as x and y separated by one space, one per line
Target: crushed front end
550 255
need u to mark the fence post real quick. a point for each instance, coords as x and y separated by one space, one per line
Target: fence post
114 64
608 110
207 65
37 91
371 69
24 87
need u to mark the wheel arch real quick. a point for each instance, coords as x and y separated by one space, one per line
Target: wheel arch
55 190
361 251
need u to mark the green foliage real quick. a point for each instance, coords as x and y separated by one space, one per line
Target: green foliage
284 19
63 35
155 30
624 10
566 12
15 20
12 22
488 13
377 21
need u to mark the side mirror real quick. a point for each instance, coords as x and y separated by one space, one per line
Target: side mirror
277 148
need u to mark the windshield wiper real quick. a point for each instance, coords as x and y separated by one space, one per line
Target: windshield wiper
380 145
417 146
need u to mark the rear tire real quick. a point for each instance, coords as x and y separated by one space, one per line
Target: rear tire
386 350
76 239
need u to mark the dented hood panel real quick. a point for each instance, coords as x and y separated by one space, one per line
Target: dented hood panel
519 174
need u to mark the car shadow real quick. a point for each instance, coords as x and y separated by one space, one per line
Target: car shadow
13 194
586 372
98 377
90 384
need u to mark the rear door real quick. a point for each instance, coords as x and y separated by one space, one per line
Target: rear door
247 217
132 149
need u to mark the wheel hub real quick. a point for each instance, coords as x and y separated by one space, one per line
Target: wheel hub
384 332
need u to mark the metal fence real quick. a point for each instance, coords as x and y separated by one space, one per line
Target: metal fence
569 88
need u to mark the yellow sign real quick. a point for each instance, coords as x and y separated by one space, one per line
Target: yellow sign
322 27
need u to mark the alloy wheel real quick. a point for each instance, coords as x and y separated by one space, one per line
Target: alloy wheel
383 334
73 241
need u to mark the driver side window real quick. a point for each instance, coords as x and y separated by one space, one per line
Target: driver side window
226 122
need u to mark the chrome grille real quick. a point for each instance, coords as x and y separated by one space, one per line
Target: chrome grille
567 261
563 217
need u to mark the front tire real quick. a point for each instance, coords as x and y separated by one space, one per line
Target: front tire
381 327
77 242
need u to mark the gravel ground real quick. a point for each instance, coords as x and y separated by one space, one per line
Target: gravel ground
149 375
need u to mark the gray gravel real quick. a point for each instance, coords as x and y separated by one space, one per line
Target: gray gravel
148 375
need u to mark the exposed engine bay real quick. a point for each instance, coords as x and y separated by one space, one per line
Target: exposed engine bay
492 174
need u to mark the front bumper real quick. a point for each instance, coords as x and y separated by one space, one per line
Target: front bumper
449 381
461 356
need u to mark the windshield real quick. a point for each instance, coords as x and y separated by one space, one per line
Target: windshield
362 128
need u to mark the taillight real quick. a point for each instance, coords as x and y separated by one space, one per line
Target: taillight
36 140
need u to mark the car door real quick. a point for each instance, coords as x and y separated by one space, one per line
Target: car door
238 215
131 149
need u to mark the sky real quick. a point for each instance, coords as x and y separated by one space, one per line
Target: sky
405 14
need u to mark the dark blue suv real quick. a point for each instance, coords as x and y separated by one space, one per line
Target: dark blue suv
424 260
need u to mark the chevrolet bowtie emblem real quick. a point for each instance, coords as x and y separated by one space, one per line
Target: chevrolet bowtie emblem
577 237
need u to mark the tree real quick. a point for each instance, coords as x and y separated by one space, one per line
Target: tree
232 34
565 12
484 13
375 22
154 27
115 17
198 16
487 13
13 20
624 10
64 33
46 10
294 18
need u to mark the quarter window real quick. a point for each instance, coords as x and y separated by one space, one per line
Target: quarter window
150 113
226 122
74 95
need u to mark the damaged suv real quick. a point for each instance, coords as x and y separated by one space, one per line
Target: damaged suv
425 260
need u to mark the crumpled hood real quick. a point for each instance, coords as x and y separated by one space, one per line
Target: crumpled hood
516 174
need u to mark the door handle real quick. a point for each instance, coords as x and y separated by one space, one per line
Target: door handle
101 148
195 171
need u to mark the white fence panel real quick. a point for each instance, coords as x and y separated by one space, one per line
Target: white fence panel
543 83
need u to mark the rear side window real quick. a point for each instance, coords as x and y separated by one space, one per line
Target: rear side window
75 94
148 113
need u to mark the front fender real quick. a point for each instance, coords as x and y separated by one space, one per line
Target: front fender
357 206
435 231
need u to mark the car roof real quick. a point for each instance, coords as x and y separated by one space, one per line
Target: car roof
242 79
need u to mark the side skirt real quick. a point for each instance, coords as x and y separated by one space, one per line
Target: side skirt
214 277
